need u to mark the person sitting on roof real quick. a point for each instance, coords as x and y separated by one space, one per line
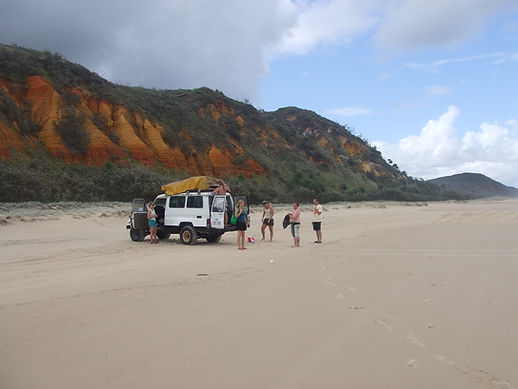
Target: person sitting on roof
221 189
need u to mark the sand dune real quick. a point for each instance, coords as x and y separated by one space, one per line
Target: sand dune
397 296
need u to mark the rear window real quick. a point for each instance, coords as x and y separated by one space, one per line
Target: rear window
177 202
195 202
218 204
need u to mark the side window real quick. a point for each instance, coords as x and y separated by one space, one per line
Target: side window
195 202
177 202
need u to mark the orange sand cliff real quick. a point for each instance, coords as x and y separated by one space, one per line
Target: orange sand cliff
125 134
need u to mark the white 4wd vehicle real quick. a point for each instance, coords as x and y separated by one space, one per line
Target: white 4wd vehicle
192 214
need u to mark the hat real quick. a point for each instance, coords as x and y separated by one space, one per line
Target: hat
265 202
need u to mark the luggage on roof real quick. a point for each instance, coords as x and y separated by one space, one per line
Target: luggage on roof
191 183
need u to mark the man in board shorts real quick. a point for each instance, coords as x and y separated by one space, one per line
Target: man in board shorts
267 219
317 220
295 224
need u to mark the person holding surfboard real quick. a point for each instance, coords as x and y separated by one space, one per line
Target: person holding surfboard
295 224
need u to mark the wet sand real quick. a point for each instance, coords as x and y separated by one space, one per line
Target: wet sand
397 296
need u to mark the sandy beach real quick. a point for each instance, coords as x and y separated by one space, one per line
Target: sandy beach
397 296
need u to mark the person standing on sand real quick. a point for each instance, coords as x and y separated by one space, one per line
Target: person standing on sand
295 224
151 221
317 220
240 214
267 219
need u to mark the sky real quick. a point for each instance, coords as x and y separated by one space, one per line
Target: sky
433 85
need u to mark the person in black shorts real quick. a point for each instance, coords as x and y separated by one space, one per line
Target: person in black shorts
317 220
240 214
267 219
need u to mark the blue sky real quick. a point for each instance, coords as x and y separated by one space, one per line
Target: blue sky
431 84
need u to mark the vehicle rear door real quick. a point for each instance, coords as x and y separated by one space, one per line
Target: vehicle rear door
217 212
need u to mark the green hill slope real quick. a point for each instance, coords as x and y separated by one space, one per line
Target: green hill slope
475 185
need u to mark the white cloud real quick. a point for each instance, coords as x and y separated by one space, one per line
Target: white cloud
435 65
162 44
398 25
417 24
437 90
227 45
383 77
330 22
349 111
439 151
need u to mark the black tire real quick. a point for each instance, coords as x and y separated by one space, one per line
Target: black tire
137 235
163 235
188 235
214 239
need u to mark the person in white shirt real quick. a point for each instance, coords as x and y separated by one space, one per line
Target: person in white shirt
317 220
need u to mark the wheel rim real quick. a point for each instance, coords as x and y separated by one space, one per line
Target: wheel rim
187 236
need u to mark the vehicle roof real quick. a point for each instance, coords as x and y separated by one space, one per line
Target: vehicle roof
203 193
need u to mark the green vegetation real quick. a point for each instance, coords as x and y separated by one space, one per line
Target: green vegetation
39 177
70 129
42 178
17 62
11 113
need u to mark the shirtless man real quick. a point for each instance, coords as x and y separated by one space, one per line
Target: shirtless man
267 219
220 190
